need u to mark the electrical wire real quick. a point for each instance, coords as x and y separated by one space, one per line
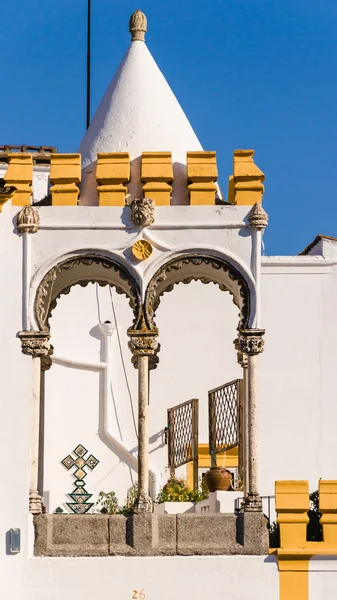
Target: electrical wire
123 362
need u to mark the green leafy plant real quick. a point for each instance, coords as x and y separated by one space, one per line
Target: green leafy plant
314 528
108 502
129 503
202 493
177 490
274 535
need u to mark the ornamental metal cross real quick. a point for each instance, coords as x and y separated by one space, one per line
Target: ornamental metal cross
80 495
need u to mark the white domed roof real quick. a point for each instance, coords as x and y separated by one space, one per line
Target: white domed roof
139 113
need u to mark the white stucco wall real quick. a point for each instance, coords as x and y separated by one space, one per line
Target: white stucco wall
297 397
323 577
225 577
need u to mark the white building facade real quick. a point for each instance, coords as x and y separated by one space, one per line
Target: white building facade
94 248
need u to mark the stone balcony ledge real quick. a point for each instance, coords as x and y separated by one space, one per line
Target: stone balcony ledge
150 535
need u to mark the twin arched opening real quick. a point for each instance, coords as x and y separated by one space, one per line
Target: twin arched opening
93 267
89 267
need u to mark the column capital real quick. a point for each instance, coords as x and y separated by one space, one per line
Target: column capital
35 343
242 358
144 343
251 341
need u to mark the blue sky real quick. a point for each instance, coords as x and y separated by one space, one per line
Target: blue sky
255 74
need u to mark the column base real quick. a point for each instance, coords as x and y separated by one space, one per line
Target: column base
143 504
252 503
35 503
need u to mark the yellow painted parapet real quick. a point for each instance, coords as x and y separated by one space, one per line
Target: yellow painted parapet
292 505
202 173
65 174
245 187
112 172
20 174
157 176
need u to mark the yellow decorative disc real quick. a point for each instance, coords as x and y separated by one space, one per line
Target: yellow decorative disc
142 249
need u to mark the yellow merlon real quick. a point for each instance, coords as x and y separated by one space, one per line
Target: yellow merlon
65 174
112 172
20 174
202 173
245 187
157 176
292 505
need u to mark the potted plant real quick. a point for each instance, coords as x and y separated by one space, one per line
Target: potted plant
218 479
177 490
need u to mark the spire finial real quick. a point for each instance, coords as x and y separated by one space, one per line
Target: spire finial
138 26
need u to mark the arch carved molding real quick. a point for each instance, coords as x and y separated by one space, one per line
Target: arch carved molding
83 269
205 268
86 268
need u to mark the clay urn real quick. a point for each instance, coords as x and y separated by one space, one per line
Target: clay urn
218 479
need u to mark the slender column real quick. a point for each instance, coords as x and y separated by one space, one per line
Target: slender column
252 425
245 426
35 500
256 268
26 264
251 343
27 222
35 344
258 221
143 427
243 421
143 345
46 363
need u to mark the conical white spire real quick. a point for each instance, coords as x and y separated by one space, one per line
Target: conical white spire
139 112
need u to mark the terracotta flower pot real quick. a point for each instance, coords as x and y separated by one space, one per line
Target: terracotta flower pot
218 479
